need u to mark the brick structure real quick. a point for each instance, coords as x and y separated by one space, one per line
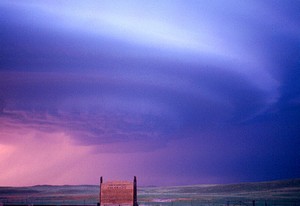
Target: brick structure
118 193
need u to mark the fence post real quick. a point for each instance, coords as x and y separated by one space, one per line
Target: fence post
253 202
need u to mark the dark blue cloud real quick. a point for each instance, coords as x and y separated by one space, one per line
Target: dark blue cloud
223 75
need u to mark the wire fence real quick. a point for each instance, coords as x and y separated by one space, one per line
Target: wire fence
45 202
222 203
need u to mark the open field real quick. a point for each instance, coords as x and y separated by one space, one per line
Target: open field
286 192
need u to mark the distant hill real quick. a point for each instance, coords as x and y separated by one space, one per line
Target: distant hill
241 187
276 191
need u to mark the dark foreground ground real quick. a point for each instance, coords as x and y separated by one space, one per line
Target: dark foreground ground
286 192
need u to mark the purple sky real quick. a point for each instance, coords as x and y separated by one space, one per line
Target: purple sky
174 92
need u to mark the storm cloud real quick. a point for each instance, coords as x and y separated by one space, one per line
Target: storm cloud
191 87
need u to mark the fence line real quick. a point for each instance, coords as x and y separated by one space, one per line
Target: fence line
51 202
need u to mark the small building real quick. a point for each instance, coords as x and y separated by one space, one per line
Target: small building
118 193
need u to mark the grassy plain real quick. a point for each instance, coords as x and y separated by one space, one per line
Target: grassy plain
284 192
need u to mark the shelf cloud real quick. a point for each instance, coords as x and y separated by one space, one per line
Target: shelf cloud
175 89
